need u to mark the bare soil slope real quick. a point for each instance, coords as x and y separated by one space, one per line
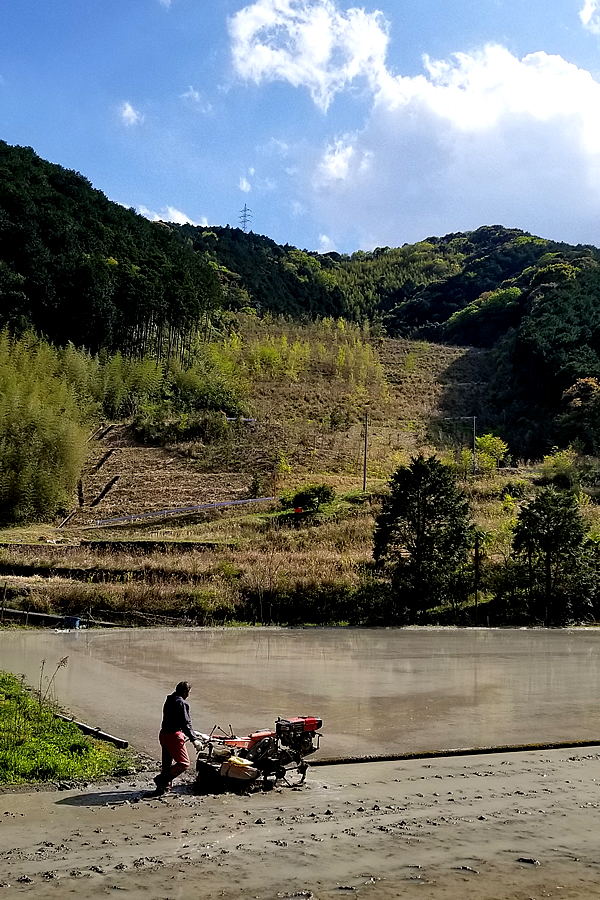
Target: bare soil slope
122 478
295 421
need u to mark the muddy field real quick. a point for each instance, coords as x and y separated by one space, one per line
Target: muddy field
378 691
511 826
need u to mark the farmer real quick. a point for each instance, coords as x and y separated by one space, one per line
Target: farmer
176 728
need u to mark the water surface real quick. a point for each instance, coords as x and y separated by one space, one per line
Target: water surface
377 690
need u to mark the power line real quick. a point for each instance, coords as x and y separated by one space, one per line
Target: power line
245 218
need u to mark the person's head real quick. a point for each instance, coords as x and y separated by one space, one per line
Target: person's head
183 689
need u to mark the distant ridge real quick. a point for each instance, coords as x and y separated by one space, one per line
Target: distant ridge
76 267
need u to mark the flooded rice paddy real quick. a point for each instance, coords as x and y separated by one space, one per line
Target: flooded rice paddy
377 690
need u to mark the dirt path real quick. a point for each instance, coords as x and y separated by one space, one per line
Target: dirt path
512 827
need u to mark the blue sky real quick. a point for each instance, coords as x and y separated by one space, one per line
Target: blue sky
340 126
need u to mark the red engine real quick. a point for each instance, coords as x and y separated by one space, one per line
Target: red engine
299 733
297 725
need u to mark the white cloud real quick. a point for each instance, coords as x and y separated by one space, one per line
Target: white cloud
175 215
197 100
326 245
308 43
590 15
129 115
337 160
170 214
275 147
245 185
479 138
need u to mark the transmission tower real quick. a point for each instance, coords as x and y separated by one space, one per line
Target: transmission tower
245 218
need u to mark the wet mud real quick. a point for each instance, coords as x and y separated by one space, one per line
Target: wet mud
505 826
502 827
378 691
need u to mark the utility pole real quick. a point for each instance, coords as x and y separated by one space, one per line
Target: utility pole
476 576
365 453
245 218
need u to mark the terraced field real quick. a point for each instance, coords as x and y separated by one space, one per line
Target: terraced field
241 562
425 382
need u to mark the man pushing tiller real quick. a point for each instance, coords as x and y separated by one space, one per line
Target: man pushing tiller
175 730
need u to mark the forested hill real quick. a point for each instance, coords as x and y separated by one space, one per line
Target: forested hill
467 288
77 267
536 301
258 273
413 290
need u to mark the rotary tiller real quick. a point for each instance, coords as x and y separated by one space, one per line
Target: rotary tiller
227 761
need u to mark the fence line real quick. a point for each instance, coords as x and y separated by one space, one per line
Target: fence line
183 510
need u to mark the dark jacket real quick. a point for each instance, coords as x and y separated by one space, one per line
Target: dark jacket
176 716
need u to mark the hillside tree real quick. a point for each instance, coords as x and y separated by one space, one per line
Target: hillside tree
549 535
422 536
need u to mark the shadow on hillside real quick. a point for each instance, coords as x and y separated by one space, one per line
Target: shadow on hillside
464 383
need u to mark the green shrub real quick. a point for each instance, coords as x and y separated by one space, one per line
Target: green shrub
515 489
156 426
308 498
206 387
560 468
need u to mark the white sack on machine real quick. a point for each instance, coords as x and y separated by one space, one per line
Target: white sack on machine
235 767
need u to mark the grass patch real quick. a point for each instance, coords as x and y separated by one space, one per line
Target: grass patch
35 746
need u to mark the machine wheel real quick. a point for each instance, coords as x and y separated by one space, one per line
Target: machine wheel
208 779
301 770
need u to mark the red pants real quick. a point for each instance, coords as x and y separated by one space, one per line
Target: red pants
175 759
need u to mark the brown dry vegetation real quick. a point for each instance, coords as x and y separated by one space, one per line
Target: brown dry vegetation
242 563
309 419
260 560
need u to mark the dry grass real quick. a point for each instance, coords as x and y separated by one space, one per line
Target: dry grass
230 565
258 567
309 424
129 582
